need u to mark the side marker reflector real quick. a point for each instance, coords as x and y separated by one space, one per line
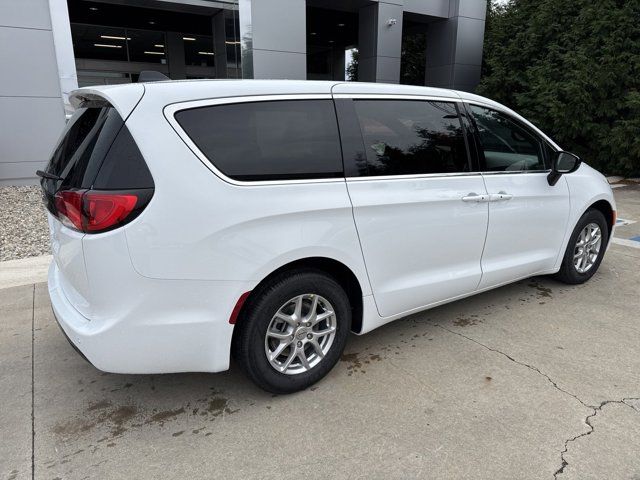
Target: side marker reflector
236 310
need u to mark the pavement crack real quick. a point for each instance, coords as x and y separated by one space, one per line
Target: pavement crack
635 407
594 408
587 421
530 367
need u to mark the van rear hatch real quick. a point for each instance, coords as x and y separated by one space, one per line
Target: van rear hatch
95 182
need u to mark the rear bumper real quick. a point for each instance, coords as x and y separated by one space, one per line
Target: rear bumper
73 345
166 326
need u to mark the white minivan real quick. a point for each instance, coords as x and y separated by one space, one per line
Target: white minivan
195 220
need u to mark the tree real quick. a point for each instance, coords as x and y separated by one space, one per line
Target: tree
412 64
573 68
413 59
352 68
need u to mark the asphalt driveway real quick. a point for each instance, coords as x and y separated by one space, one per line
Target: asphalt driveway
533 380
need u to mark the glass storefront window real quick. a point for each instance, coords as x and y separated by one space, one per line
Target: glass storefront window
101 43
121 44
147 46
198 50
115 41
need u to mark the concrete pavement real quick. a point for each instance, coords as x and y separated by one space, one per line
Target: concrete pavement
25 271
533 380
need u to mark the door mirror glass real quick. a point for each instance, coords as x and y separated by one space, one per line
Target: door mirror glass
566 162
563 163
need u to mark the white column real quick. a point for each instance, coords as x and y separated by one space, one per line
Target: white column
63 44
380 42
273 39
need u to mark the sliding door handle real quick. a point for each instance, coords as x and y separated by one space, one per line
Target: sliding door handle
500 196
474 197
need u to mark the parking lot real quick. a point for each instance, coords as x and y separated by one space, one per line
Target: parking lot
533 380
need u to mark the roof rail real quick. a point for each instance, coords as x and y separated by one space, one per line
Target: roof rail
151 76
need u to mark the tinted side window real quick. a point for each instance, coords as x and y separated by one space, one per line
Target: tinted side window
123 167
404 137
507 146
278 140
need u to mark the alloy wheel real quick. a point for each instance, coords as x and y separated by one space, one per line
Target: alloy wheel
587 248
300 334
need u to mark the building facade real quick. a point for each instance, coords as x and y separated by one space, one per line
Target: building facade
50 47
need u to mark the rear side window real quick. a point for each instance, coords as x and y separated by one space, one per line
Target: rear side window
275 140
123 167
403 137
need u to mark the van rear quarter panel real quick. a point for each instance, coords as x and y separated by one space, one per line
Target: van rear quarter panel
199 227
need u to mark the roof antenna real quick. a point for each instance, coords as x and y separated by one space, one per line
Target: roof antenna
151 76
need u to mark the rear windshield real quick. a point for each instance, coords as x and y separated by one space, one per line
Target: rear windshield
83 145
96 151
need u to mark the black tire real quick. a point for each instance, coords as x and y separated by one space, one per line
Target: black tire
568 272
249 340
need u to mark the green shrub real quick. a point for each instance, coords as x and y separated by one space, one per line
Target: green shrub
573 68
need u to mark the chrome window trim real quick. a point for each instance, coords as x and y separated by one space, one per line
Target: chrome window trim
516 172
170 111
390 96
417 176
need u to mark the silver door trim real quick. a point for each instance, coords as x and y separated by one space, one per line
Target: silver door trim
390 96
515 172
416 176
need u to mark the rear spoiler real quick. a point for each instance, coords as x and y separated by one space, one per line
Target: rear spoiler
123 97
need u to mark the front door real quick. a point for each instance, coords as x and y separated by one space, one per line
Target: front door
527 217
418 208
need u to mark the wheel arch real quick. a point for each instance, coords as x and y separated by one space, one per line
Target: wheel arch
340 272
606 209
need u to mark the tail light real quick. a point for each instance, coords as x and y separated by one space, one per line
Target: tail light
69 206
96 211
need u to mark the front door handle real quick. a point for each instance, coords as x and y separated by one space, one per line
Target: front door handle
474 197
500 196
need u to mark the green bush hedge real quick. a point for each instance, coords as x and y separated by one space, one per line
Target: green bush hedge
573 68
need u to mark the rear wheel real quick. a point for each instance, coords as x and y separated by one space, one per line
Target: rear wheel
585 249
293 331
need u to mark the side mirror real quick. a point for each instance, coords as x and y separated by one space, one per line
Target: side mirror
561 164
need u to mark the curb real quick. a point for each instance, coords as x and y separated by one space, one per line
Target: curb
25 271
617 179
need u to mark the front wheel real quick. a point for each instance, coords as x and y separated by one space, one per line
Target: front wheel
586 248
293 331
